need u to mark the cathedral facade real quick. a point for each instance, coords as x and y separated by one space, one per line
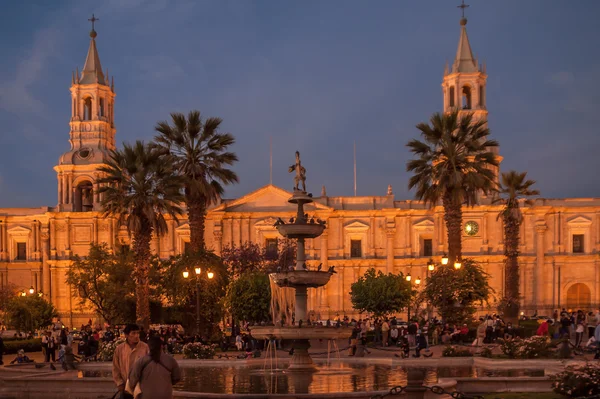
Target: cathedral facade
560 238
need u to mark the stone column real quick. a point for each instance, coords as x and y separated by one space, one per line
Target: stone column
45 257
218 235
60 190
390 234
68 235
323 303
95 227
1 240
540 228
52 237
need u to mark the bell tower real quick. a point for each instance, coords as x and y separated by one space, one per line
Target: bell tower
92 135
464 84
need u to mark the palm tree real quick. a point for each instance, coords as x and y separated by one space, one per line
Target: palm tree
201 158
513 187
453 165
140 188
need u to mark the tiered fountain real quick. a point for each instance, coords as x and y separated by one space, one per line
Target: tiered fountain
300 278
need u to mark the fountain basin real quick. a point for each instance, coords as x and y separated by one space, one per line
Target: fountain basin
301 230
295 333
301 278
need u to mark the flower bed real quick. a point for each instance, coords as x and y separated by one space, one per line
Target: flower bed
197 350
106 350
578 381
453 351
528 348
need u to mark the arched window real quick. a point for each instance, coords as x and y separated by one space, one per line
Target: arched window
87 109
466 97
481 97
451 95
84 197
101 111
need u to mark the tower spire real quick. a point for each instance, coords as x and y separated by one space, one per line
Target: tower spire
464 61
92 70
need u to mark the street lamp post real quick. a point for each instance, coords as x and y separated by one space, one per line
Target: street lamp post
457 266
198 272
417 282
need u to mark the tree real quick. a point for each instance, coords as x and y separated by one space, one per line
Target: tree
380 293
139 187
249 297
103 280
180 293
7 293
455 293
453 165
513 187
30 313
200 156
251 257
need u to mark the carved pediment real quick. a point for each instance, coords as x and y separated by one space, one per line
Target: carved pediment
579 221
424 224
356 226
19 231
270 199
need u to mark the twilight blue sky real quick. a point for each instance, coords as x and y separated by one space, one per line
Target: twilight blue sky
313 75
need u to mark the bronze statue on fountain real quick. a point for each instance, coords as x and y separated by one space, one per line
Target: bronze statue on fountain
300 278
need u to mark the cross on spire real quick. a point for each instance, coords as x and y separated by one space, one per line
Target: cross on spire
462 7
94 19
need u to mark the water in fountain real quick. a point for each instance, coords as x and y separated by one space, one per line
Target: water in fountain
283 302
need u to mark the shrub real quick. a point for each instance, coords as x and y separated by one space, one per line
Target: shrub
453 351
28 345
197 350
106 351
528 348
486 352
578 381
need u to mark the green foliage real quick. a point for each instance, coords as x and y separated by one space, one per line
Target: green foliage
28 345
7 292
455 293
528 348
578 381
106 350
199 153
453 351
30 313
486 352
380 293
250 257
180 293
196 350
249 297
103 281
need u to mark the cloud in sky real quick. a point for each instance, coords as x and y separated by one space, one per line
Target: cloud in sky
16 90
316 76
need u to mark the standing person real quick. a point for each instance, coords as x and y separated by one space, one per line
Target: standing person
590 320
125 357
385 330
49 343
156 373
579 333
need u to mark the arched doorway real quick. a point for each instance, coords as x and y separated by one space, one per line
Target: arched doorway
579 297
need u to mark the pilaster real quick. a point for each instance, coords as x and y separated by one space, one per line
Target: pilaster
540 228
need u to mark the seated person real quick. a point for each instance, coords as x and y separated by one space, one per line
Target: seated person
21 358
